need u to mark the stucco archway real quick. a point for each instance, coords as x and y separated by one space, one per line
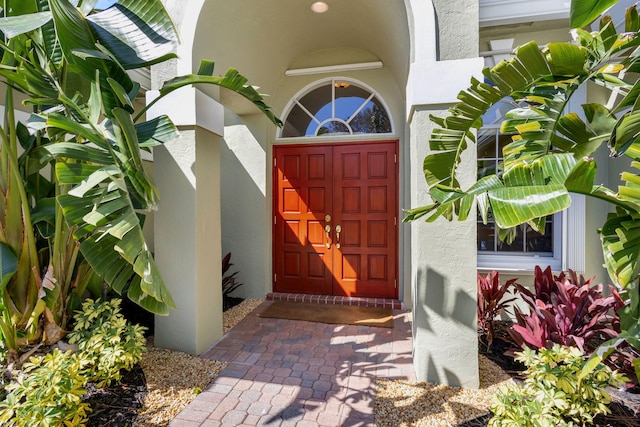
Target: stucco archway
264 39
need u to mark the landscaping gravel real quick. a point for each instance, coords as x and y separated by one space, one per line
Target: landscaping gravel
405 403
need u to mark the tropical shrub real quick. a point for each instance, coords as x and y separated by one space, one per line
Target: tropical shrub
555 392
48 392
492 302
107 342
566 310
78 185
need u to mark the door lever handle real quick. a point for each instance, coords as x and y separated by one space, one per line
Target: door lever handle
338 230
327 230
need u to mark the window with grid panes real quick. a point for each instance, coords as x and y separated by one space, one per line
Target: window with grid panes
529 246
490 144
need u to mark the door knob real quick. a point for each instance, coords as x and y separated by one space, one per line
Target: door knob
327 230
338 230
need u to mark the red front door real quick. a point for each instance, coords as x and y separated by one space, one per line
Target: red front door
335 219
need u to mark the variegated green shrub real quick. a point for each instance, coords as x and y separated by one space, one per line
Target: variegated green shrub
48 392
107 341
556 393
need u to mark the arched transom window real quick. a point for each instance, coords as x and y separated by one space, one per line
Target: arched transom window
336 107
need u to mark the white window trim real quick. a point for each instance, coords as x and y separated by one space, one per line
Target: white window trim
502 12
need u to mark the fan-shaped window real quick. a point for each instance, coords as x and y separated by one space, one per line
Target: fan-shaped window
339 107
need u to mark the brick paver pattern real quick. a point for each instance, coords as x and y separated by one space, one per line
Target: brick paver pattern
296 373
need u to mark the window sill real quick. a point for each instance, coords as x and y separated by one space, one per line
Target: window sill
516 264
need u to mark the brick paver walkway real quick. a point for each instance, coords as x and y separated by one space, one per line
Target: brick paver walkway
295 373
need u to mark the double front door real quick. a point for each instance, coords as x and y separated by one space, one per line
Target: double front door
335 219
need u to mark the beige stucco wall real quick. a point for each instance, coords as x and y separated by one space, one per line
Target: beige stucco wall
187 229
457 28
243 202
443 254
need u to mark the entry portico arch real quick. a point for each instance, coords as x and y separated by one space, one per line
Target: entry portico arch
263 39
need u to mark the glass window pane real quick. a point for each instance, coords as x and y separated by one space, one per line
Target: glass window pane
371 119
318 102
334 127
502 141
486 167
487 143
537 242
348 99
516 246
351 102
490 145
297 123
486 233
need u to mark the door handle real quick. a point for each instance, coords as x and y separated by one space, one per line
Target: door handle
338 230
327 230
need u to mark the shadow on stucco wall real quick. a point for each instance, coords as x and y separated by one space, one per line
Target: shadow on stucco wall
437 305
433 292
243 201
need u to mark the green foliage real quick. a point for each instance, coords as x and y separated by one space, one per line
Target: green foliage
106 340
47 393
584 12
554 393
78 188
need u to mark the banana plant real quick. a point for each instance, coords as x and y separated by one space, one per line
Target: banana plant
20 297
80 166
550 155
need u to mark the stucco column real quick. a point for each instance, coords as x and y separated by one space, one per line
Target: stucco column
443 253
187 223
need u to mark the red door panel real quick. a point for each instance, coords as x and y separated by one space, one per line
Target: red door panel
351 186
303 198
365 206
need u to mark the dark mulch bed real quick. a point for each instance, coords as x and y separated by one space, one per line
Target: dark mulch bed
230 302
118 405
625 406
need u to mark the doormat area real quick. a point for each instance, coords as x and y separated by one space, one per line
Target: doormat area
334 314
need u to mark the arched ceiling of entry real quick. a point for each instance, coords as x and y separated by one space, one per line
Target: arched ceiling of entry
263 38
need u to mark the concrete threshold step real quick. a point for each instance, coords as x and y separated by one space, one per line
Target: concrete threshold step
337 300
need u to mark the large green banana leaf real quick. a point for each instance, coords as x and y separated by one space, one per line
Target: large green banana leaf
130 34
584 12
548 157
71 63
